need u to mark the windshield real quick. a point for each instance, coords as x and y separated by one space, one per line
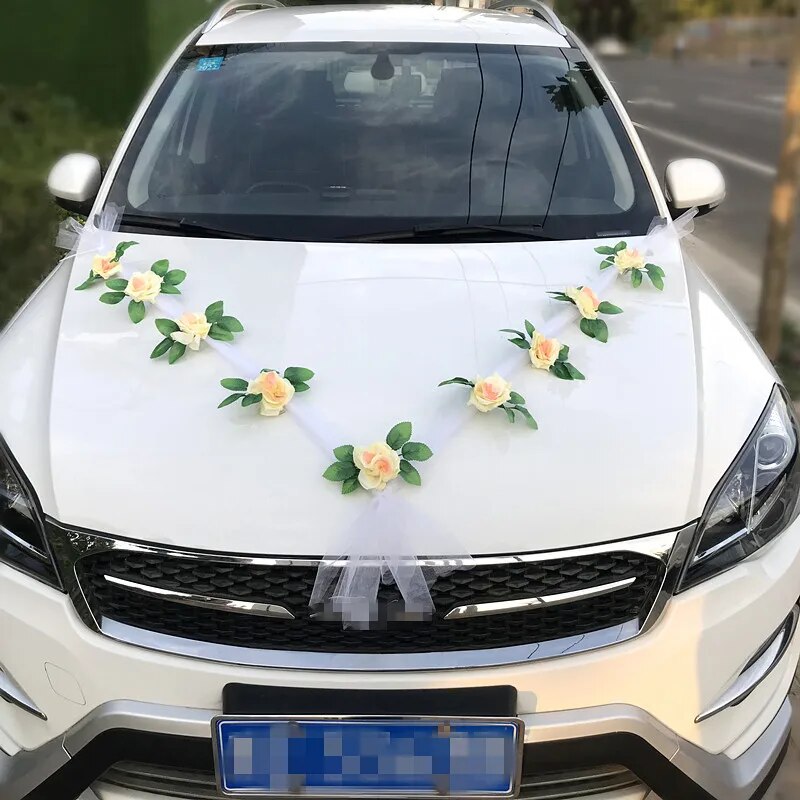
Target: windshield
324 142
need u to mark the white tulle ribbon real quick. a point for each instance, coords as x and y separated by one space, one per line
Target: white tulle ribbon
386 542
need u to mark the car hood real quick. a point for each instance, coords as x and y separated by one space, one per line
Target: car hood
138 448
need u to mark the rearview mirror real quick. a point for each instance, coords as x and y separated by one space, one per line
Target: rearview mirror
694 183
74 182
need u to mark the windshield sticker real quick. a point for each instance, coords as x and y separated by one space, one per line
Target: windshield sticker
210 64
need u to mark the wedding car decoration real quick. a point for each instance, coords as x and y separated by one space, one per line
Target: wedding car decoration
630 260
545 353
495 393
589 306
192 328
105 266
269 390
143 287
373 467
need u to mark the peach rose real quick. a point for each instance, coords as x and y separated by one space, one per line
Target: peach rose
275 391
377 464
586 301
105 267
193 329
544 352
629 259
144 286
489 393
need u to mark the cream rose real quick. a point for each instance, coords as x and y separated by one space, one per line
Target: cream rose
105 267
544 352
144 286
275 391
377 464
586 301
193 329
628 259
489 393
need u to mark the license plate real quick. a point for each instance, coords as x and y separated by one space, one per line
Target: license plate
375 757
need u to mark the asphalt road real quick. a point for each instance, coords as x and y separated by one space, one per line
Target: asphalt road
729 113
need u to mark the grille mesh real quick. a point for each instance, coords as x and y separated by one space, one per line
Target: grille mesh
290 586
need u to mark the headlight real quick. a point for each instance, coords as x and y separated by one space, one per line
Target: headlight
755 501
22 542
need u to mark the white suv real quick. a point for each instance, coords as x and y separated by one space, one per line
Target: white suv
604 607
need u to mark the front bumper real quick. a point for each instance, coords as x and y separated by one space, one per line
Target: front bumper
634 703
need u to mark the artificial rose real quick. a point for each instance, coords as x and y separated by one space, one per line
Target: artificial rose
628 259
544 352
489 393
193 329
275 391
586 301
106 267
377 464
144 286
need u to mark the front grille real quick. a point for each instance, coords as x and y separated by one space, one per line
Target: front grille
290 587
200 784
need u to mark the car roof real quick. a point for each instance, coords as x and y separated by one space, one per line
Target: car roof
383 23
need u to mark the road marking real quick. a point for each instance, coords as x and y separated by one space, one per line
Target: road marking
717 152
652 102
734 105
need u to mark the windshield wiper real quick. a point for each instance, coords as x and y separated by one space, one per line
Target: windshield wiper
174 225
455 231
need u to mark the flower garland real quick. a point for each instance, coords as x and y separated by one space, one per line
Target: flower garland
545 353
493 393
589 306
268 389
107 266
630 260
192 328
143 287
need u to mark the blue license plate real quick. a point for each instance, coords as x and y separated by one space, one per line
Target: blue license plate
373 757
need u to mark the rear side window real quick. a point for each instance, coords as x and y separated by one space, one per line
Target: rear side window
328 141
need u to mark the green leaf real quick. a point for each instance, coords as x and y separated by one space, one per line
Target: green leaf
516 399
416 451
160 267
654 269
587 327
410 474
560 296
232 324
176 352
90 281
510 414
344 453
458 381
523 344
350 485
112 298
117 284
531 422
520 334
215 311
220 334
230 399
297 374
656 276
636 278
301 386
399 435
166 326
608 308
175 277
620 247
161 348
530 328
605 251
234 384
575 374
606 264
122 248
658 282
251 400
136 311
600 331
563 354
167 288
560 370
340 471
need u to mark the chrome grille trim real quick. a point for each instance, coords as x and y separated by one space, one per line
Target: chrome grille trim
70 546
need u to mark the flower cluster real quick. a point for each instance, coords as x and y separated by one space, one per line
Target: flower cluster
629 260
494 392
589 306
374 466
143 287
107 266
192 328
545 353
271 391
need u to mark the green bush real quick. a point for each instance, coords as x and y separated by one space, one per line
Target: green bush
36 128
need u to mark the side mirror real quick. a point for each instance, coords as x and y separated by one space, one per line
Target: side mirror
694 183
74 182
